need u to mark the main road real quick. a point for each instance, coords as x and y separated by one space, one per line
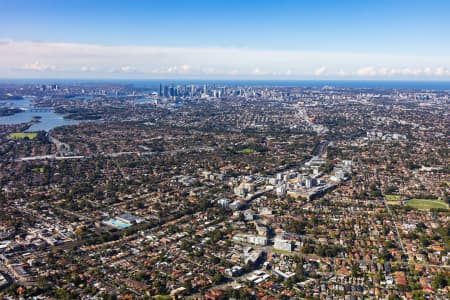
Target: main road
116 154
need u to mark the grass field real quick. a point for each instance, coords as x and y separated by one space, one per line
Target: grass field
279 251
163 297
40 170
393 197
426 203
393 202
247 151
22 135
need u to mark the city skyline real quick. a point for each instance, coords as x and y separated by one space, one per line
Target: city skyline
224 40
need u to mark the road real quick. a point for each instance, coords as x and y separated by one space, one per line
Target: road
399 238
61 148
116 154
49 157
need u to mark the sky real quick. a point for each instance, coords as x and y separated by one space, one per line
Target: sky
225 39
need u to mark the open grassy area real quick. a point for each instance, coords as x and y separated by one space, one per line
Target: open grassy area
393 202
247 151
279 251
393 197
163 297
40 170
426 203
22 135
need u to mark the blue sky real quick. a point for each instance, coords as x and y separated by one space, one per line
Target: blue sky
248 39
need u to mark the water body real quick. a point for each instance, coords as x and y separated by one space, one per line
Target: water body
357 84
48 118
154 83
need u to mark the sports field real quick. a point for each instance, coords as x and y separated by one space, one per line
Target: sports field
247 151
426 203
393 197
22 135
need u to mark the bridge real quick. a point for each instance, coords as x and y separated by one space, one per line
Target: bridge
40 109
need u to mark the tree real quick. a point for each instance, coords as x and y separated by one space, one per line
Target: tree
446 198
394 297
79 230
42 283
418 295
424 240
218 278
356 271
188 286
440 280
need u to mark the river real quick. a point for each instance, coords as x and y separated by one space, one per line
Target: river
48 118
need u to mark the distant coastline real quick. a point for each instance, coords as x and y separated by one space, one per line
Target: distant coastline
358 84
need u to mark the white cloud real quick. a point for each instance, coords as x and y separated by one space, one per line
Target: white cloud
402 72
90 60
383 71
182 69
186 68
441 71
438 71
37 66
366 71
209 71
88 69
320 71
257 71
172 69
127 69
428 71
